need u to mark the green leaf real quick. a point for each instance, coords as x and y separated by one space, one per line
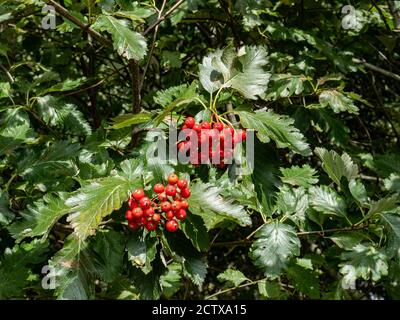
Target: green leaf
392 183
292 203
195 230
388 203
129 119
299 176
206 201
43 214
171 280
392 225
326 200
304 280
6 215
174 98
141 252
270 125
53 162
15 268
232 277
109 247
348 240
73 268
12 137
337 167
337 101
276 244
271 290
242 71
96 200
285 85
128 43
193 265
366 262
358 191
66 85
66 116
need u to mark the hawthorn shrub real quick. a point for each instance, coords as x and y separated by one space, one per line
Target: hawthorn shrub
85 94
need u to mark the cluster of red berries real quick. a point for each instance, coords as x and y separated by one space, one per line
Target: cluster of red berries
206 143
167 207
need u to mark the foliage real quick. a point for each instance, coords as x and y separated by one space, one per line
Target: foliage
80 110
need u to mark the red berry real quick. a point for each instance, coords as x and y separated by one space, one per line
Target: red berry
240 136
181 146
191 135
243 133
149 212
132 204
203 139
176 205
145 202
219 126
178 197
142 221
203 157
158 188
181 214
197 128
138 194
133 225
129 215
182 184
165 206
221 165
185 193
184 204
151 225
169 215
173 178
228 154
137 213
190 122
171 226
205 125
170 190
156 217
162 196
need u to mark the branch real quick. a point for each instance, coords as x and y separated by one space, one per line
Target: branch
135 85
320 233
8 74
377 69
153 44
233 288
166 15
64 12
395 14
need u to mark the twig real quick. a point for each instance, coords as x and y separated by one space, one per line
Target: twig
382 106
377 69
64 12
321 233
135 85
233 288
395 14
231 116
166 15
226 8
381 15
8 74
153 44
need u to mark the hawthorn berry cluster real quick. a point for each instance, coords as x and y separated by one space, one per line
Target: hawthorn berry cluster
206 143
167 207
